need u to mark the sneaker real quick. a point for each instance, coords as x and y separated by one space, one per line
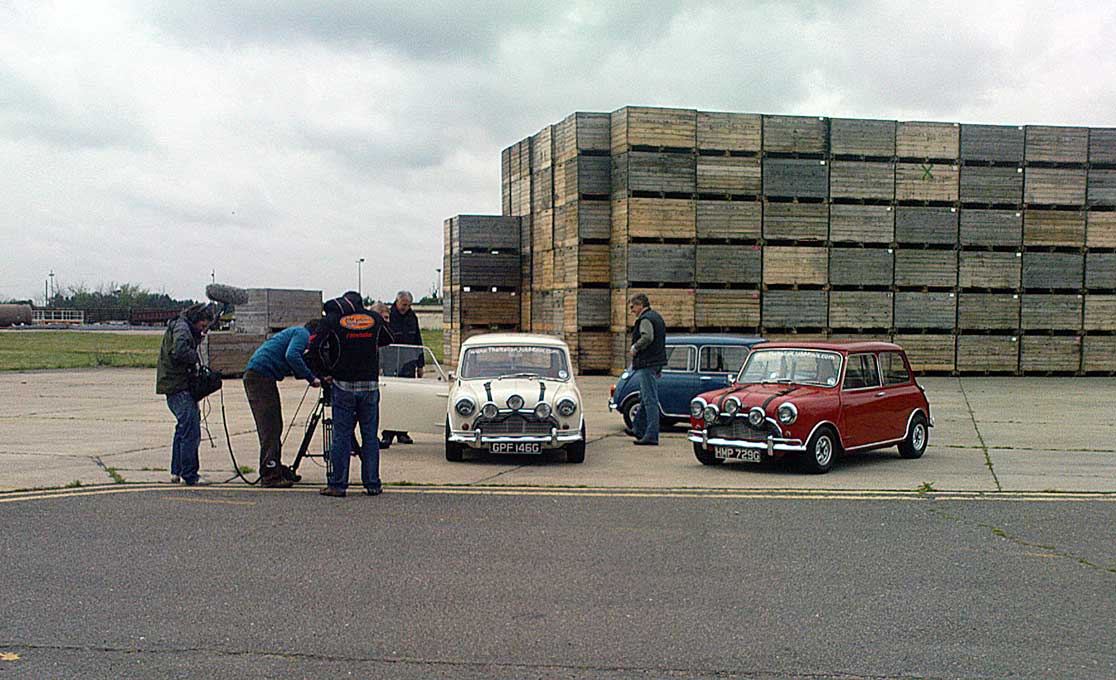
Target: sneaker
330 491
175 479
277 483
642 442
404 438
385 444
287 473
199 481
373 492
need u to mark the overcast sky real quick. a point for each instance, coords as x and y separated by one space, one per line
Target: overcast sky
277 141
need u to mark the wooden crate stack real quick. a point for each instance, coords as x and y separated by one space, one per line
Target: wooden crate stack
268 311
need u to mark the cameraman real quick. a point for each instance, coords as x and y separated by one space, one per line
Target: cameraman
276 359
178 360
355 373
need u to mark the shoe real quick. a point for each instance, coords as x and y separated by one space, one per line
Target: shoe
641 442
630 432
287 473
200 481
277 483
404 438
385 444
373 492
330 491
175 479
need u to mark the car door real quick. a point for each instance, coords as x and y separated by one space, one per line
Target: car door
861 398
679 382
415 404
900 394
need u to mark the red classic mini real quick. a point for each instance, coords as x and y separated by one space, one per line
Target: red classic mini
813 400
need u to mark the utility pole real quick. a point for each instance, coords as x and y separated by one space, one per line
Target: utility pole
359 289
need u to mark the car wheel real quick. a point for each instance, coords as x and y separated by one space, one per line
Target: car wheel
455 452
575 453
821 451
917 439
705 457
629 411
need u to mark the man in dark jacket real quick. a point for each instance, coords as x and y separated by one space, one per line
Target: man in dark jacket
178 360
404 326
648 354
355 373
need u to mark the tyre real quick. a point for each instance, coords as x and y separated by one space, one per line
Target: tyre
629 411
575 452
455 452
917 439
705 457
821 451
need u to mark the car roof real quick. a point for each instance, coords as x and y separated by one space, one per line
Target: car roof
514 339
711 339
844 347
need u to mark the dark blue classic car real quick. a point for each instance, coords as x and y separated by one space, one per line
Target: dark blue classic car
695 364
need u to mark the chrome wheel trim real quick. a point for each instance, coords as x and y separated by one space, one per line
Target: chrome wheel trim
918 437
823 450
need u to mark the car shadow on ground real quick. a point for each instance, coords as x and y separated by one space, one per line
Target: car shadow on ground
790 465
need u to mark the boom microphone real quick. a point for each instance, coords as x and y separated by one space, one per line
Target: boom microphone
230 295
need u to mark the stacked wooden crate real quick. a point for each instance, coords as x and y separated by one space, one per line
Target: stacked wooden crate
268 311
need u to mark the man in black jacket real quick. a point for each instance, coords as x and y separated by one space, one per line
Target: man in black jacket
404 326
355 373
648 354
178 360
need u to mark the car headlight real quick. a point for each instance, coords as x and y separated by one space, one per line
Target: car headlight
730 406
465 407
542 410
515 402
696 407
756 416
788 413
710 413
489 410
566 407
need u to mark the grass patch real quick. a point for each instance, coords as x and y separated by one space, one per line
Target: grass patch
433 340
115 474
74 484
926 487
29 350
246 469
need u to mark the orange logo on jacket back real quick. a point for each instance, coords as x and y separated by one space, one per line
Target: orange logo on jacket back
357 322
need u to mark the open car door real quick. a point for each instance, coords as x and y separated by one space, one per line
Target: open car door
412 404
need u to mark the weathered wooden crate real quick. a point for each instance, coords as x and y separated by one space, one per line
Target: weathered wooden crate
542 149
228 353
737 220
592 307
1051 312
729 175
861 266
991 227
925 268
581 133
1053 270
587 263
1101 230
1054 186
795 134
857 137
988 353
1102 145
978 269
654 171
582 175
653 218
1050 354
861 223
1057 144
991 185
1100 312
925 225
524 310
925 310
1100 271
795 177
796 221
796 336
927 140
485 308
675 305
543 275
594 351
802 265
521 196
862 180
659 263
729 131
718 308
547 311
860 309
999 143
728 264
1098 354
542 229
1054 228
795 309
488 232
583 220
1102 187
273 309
926 182
658 127
988 311
929 353
505 183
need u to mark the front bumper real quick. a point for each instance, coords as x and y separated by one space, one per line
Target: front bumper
774 446
478 439
612 405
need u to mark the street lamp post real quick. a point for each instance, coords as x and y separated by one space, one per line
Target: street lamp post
359 289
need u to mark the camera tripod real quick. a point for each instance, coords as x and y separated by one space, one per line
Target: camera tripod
323 413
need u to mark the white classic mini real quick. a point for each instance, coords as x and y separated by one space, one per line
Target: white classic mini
514 393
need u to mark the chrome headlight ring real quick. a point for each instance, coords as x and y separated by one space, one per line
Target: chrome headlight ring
515 402
566 407
710 414
697 406
787 413
490 410
465 407
542 410
730 406
756 416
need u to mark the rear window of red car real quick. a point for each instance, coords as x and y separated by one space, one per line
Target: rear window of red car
894 369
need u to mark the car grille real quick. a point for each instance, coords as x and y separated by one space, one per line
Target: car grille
514 424
738 428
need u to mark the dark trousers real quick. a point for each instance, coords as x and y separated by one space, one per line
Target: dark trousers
267 411
407 370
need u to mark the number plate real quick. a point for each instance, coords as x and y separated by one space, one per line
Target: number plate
515 447
748 455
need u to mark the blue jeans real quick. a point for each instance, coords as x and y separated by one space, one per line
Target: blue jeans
646 425
350 408
187 435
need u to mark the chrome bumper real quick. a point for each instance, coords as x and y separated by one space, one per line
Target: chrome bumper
612 406
770 445
477 438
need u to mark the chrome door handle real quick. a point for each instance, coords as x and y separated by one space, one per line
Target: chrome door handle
706 377
881 394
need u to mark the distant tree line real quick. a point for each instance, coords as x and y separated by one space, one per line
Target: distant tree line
115 296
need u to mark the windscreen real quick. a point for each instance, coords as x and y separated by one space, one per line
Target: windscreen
791 366
510 361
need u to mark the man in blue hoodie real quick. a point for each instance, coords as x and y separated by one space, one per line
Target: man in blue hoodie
276 359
